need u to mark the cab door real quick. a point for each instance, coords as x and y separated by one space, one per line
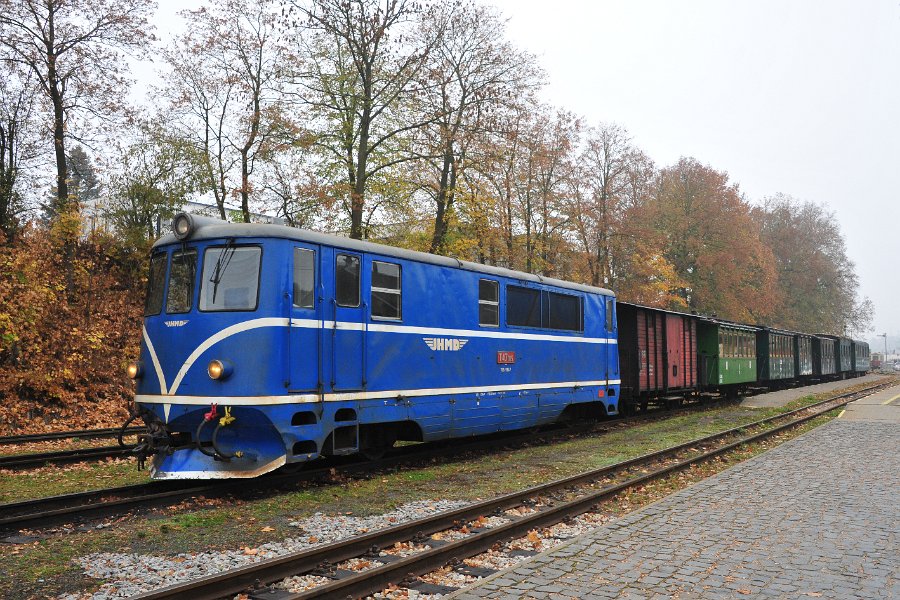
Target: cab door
305 306
612 350
348 323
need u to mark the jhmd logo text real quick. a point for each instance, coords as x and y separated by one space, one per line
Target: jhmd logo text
445 344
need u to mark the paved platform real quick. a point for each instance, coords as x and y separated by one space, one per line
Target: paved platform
817 517
782 397
882 407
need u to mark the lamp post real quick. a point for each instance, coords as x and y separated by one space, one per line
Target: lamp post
884 335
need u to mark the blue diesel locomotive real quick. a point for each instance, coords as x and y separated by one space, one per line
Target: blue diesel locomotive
265 345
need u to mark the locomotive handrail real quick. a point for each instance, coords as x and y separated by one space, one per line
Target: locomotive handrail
365 342
334 342
320 338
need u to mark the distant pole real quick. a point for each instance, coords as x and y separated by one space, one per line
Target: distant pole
884 335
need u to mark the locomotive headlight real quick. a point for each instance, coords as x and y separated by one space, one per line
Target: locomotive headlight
135 370
219 369
182 225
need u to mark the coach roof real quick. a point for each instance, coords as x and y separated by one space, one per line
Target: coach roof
208 228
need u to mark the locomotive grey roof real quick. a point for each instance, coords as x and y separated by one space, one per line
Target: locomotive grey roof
208 228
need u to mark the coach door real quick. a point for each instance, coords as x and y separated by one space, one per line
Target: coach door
348 330
305 322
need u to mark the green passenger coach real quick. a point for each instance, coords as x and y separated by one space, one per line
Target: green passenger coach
727 354
775 352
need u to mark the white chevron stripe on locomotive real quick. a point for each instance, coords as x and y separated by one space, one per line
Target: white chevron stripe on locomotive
348 326
362 395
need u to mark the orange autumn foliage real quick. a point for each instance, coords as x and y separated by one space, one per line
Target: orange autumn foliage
62 357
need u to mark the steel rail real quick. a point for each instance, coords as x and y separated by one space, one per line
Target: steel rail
44 512
373 580
27 461
81 506
62 435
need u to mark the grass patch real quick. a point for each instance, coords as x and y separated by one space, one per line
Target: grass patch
79 477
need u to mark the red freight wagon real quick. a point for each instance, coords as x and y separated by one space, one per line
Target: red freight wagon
657 352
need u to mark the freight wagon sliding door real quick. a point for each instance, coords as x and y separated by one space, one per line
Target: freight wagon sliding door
675 351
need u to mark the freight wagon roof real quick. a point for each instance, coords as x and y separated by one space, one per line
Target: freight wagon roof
727 323
665 310
781 331
209 228
705 318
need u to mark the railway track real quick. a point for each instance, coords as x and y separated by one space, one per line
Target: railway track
82 507
42 459
95 504
84 434
61 457
556 501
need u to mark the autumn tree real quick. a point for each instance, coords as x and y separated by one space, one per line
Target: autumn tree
497 172
714 243
226 85
360 86
158 173
471 74
19 144
598 201
542 186
818 283
76 50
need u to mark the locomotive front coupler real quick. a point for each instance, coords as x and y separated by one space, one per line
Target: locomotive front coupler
157 440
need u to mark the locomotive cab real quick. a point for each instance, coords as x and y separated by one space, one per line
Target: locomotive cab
212 351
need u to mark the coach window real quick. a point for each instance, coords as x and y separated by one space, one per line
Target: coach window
156 284
523 306
386 294
565 312
488 303
304 277
181 281
346 280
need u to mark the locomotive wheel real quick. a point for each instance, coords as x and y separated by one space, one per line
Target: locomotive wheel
375 443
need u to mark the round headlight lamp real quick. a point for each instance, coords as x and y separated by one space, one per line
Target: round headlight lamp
135 370
182 226
218 369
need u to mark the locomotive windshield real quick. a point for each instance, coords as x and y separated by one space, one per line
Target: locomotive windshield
155 285
181 281
230 278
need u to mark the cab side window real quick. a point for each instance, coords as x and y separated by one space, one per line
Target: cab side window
304 277
488 303
346 278
386 290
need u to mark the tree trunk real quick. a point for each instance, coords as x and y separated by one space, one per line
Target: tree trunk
7 176
245 185
357 196
59 146
444 202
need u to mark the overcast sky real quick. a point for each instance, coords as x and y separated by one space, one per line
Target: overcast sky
792 96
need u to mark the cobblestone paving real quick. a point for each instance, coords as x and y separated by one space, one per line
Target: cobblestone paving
816 517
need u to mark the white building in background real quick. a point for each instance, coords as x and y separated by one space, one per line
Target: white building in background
93 215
